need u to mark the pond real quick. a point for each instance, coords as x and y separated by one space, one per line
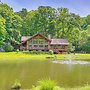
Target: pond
67 75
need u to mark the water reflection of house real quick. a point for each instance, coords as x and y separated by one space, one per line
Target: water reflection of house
40 42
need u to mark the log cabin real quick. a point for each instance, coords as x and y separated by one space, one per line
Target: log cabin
40 42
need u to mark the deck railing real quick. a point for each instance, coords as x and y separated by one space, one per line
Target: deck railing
39 48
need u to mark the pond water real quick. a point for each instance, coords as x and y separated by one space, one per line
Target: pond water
67 75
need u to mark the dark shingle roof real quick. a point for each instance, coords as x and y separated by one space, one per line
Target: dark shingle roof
59 41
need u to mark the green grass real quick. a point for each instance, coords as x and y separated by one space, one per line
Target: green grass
14 56
52 85
47 85
85 88
58 88
39 88
73 56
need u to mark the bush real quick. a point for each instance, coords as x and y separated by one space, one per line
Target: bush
16 86
47 84
9 48
51 52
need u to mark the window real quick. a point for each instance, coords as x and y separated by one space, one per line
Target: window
46 42
62 46
46 45
35 41
40 45
35 46
55 46
30 46
40 41
30 42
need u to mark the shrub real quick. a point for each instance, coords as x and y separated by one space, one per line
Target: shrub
47 84
16 86
17 50
51 52
9 48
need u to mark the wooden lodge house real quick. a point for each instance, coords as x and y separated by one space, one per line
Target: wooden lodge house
40 42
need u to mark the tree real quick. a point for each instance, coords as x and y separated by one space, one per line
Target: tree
2 30
59 23
22 13
13 24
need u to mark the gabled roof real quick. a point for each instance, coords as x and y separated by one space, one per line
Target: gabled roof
24 38
59 41
52 41
39 35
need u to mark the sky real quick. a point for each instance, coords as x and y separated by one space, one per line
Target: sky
80 7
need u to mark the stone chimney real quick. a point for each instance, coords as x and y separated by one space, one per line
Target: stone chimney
49 36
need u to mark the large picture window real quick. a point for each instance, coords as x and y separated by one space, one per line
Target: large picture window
35 41
40 41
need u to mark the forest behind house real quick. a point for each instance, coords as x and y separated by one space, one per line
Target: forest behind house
59 23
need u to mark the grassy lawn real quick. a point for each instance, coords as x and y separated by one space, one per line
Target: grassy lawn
22 57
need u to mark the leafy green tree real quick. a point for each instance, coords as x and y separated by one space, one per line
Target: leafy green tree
22 13
59 23
9 48
2 30
13 24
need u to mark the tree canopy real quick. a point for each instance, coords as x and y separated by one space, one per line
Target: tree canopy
59 23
